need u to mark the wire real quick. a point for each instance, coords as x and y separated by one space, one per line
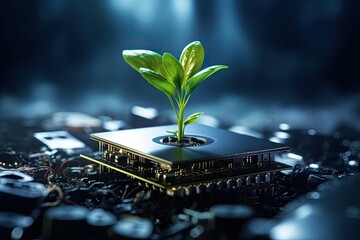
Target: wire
59 197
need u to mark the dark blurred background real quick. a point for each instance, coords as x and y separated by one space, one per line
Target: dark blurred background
289 61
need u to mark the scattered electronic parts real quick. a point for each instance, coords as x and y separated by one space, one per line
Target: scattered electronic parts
15 175
71 218
20 196
99 221
195 193
9 159
331 211
225 160
13 225
132 228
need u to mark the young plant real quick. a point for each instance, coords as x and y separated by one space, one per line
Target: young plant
177 79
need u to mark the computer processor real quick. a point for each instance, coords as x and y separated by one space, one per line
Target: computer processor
223 160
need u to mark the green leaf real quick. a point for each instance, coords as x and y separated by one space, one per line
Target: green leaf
192 118
172 132
158 81
195 80
144 59
173 69
192 58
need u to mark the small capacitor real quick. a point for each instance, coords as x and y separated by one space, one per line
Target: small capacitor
200 189
248 180
71 218
220 185
189 191
169 177
99 221
258 179
229 184
210 187
268 177
238 182
120 159
132 228
180 192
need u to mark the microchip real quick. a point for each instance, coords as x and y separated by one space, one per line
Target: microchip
222 158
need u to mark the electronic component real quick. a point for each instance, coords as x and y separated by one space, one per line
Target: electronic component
220 160
59 140
229 218
330 212
19 196
9 159
99 222
12 225
19 176
132 228
65 222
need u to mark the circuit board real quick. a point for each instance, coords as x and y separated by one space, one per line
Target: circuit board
66 182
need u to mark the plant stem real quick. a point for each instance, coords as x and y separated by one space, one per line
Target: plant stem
187 97
173 106
180 124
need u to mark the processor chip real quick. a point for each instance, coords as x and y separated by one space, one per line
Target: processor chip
218 156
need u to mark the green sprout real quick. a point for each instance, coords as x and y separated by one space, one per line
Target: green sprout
177 79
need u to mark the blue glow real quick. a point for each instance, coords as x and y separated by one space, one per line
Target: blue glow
148 113
295 156
284 126
314 165
282 135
